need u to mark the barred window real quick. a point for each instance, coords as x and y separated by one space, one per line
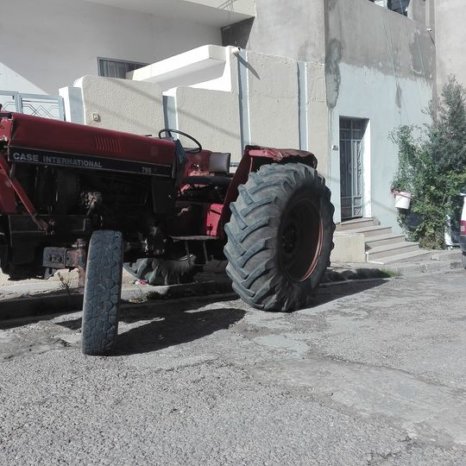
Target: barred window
112 68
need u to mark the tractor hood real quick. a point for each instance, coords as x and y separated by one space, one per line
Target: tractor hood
42 141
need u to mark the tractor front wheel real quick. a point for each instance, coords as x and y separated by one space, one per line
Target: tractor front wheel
280 236
102 291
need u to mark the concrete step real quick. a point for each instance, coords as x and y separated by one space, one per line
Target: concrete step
389 250
371 231
357 223
413 256
382 240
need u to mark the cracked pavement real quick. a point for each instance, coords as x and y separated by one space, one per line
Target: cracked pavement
374 373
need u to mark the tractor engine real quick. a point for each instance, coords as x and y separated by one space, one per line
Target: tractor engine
56 190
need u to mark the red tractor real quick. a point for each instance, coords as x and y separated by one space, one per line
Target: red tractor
78 196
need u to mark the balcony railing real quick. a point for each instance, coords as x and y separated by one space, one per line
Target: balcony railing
46 106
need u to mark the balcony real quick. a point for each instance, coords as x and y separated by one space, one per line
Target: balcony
217 13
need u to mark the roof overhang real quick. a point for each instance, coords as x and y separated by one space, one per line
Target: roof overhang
217 13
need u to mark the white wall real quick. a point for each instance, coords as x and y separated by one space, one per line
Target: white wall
317 117
130 106
387 102
10 80
273 101
212 117
45 45
450 36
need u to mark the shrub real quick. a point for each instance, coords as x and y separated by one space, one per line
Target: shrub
432 167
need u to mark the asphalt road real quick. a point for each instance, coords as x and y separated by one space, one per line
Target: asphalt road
373 374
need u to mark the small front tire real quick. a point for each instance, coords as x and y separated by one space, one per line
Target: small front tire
102 291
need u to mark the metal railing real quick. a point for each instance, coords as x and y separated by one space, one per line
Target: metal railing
46 106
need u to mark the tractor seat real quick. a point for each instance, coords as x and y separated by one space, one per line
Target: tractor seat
219 167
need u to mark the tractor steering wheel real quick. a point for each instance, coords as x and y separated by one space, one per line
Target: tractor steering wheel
169 132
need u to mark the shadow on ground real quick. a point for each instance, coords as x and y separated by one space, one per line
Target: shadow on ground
155 327
179 323
325 294
148 311
174 327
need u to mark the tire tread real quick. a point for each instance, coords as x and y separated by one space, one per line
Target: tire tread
102 292
251 233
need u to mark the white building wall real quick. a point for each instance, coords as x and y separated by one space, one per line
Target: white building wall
387 102
273 101
317 121
212 117
130 106
45 45
450 36
261 89
10 80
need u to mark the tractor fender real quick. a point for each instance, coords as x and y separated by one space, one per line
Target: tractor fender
254 157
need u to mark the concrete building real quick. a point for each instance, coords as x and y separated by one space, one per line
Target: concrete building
48 44
332 76
378 71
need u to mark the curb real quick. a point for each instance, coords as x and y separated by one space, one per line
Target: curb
33 306
341 274
427 267
403 269
48 304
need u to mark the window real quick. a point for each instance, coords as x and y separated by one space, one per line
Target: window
399 6
111 68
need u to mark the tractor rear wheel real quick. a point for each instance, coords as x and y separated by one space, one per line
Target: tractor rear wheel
102 291
280 236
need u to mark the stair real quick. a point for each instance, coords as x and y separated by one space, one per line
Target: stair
371 231
381 245
357 223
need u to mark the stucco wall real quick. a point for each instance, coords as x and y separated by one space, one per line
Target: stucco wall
450 37
290 29
380 66
317 118
45 45
212 117
366 62
273 101
361 33
130 106
265 106
386 102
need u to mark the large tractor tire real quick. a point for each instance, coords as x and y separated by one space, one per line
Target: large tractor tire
102 291
280 236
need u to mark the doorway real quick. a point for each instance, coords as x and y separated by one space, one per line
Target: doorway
352 132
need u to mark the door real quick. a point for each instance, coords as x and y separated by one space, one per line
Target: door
351 167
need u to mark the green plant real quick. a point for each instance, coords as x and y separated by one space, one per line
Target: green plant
432 167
